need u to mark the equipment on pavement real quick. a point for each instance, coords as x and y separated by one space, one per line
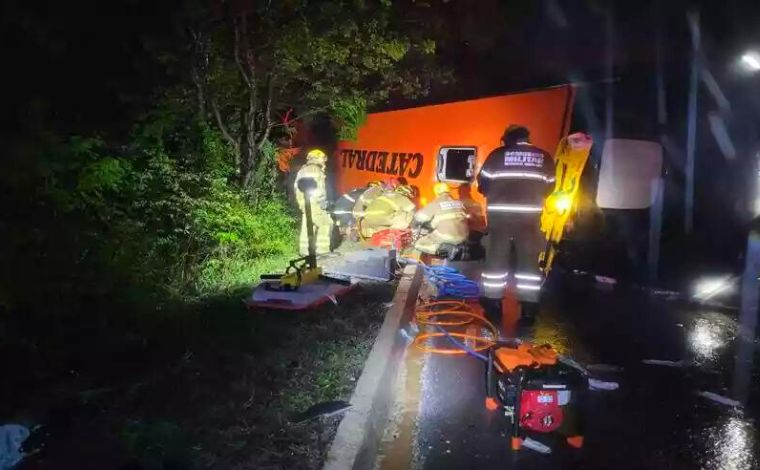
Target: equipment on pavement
450 283
537 392
455 321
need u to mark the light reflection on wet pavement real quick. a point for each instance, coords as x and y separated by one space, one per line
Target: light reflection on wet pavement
656 420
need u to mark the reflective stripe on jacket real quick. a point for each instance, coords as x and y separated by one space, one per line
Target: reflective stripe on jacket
519 175
446 216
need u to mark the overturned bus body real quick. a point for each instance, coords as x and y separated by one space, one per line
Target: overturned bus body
448 142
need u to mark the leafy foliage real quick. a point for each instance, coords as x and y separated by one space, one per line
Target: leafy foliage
350 115
260 60
158 214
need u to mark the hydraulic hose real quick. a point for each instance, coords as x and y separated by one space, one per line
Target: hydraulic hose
450 283
443 316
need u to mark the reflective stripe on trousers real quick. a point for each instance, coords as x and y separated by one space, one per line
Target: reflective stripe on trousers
495 283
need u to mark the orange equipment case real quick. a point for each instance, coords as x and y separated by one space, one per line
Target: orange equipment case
406 143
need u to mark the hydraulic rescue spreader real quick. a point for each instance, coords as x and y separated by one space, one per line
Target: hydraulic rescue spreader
570 159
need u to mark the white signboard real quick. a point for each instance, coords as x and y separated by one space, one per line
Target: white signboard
629 174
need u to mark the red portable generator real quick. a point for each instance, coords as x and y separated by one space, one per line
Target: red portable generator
537 392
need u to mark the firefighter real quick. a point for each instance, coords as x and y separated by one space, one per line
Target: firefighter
394 209
343 209
447 219
515 179
374 190
314 168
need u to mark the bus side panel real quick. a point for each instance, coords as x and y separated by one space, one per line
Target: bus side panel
406 142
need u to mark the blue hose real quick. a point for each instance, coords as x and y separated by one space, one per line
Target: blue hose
462 346
450 283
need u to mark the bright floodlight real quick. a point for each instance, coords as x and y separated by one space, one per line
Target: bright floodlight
751 61
709 287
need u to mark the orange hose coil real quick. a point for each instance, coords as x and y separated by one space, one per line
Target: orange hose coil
449 314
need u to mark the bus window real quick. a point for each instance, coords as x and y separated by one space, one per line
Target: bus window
456 164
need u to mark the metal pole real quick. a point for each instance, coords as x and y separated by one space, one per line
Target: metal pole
691 133
750 297
609 108
655 228
662 111
658 185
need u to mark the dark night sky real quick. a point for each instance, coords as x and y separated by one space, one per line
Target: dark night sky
88 59
85 62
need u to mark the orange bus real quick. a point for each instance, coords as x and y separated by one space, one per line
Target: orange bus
447 142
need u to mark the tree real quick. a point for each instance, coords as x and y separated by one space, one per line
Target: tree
256 63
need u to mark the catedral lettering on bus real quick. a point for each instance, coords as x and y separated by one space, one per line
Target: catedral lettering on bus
389 163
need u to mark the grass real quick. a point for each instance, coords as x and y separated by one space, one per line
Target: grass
212 386
233 272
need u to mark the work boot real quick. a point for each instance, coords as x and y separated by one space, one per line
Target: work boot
528 311
492 310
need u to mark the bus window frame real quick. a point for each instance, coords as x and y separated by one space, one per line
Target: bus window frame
440 163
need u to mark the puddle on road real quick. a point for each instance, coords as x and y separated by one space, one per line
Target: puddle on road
709 335
731 445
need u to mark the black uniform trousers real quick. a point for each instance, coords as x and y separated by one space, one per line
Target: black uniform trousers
514 243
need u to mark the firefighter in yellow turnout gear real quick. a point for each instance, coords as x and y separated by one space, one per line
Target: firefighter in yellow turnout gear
374 190
394 209
323 224
446 217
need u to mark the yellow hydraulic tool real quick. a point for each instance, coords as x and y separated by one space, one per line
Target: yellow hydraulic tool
570 160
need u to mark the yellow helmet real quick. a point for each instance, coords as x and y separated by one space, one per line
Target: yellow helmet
405 189
441 188
316 154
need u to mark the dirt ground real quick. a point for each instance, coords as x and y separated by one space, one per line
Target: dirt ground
221 402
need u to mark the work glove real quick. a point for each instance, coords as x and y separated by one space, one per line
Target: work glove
324 205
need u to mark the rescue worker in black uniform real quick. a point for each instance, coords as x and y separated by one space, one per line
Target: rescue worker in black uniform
515 180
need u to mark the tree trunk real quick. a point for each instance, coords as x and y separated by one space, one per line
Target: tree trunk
247 157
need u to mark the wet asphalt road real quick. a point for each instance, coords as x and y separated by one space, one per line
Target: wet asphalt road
655 420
